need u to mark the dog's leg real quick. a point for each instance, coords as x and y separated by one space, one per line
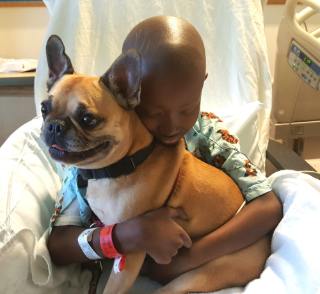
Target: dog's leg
122 282
232 270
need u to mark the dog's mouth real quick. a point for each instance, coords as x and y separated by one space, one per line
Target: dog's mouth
72 157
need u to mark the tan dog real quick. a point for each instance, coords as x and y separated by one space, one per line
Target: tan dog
90 123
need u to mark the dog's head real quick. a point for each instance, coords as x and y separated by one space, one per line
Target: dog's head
86 120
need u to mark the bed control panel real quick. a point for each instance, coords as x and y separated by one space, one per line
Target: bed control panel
304 65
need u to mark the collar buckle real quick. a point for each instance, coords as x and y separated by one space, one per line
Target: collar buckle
130 164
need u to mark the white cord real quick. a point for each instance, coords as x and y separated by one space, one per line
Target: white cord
242 205
309 172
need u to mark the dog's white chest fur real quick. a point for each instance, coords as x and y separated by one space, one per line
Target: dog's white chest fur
114 200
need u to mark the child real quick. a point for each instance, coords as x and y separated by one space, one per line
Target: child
173 74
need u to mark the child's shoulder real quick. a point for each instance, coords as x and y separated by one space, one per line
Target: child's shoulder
208 120
205 115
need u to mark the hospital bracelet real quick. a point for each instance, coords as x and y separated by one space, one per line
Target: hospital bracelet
109 251
83 239
106 243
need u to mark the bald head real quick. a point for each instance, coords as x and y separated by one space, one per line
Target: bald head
167 44
173 73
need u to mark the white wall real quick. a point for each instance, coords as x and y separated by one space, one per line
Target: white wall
22 31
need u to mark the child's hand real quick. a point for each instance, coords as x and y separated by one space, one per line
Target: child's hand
155 233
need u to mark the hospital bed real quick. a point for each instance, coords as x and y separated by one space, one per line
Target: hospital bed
295 116
93 31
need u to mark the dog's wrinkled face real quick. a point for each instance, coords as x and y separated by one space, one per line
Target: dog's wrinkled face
86 119
78 126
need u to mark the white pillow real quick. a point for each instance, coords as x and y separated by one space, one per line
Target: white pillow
27 170
29 184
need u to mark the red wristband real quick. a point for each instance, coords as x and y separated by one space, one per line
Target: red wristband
106 243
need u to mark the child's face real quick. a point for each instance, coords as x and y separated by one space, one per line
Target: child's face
169 106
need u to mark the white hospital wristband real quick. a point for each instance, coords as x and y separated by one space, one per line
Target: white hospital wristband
83 239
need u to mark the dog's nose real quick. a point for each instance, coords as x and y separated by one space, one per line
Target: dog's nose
56 128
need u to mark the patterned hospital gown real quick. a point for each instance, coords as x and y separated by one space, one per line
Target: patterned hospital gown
209 140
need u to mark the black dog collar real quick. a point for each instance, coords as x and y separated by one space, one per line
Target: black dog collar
124 166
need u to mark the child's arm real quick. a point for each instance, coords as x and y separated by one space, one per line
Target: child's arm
143 233
254 221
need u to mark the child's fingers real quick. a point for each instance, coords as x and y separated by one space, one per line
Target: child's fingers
187 242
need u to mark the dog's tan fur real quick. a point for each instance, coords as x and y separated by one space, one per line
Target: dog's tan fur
208 197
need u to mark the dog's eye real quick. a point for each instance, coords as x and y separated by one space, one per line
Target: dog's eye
89 121
44 110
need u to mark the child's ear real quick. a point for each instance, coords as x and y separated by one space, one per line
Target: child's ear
123 79
205 77
58 61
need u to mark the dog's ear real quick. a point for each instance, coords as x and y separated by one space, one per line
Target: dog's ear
58 61
123 79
